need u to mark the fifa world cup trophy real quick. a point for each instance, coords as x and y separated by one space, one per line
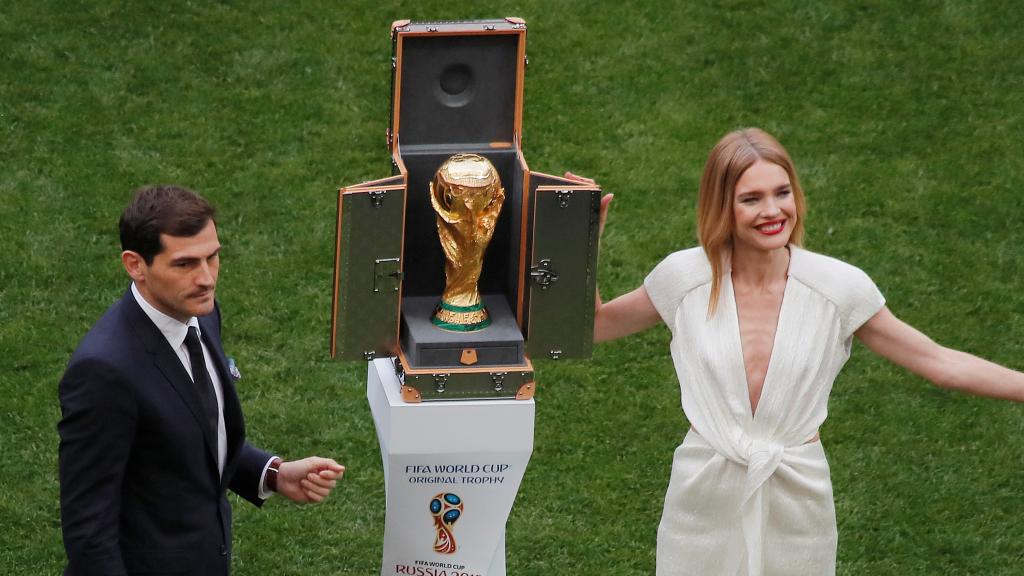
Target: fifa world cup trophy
467 196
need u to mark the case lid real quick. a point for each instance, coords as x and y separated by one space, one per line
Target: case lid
368 269
458 82
563 272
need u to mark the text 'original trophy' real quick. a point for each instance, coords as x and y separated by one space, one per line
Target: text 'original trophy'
450 275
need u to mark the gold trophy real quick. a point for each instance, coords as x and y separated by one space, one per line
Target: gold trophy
467 196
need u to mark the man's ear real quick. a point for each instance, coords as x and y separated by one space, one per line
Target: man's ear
134 265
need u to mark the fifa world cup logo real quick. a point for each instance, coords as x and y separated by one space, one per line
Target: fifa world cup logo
446 508
467 196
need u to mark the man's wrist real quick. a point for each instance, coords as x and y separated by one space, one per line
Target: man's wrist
273 469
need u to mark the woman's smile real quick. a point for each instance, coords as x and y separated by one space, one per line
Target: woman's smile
771 228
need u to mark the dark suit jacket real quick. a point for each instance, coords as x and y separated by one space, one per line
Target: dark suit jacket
139 489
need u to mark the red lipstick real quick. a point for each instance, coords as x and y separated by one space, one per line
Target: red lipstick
769 229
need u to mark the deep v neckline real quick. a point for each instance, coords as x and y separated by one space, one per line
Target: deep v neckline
738 334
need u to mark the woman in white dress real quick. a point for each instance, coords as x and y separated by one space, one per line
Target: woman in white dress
760 329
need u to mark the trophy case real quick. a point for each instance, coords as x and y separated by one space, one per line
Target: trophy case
457 89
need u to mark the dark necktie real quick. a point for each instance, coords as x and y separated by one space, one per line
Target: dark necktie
201 379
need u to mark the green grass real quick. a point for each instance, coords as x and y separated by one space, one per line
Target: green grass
904 119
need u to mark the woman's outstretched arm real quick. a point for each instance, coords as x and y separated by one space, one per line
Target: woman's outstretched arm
902 344
628 314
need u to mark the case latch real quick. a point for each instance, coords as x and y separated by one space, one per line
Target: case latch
563 198
440 380
543 274
399 369
386 275
498 379
377 197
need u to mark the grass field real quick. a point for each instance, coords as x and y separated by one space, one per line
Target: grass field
905 120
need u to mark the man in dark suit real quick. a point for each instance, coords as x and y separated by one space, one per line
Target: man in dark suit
152 432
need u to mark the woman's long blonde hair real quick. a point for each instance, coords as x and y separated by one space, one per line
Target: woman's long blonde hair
728 160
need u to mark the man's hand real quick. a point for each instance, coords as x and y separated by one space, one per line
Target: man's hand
308 480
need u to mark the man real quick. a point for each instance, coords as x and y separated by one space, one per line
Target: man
152 432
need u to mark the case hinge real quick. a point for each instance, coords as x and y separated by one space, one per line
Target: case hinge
555 353
543 275
440 380
386 275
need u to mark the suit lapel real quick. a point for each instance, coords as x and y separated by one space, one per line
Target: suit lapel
169 365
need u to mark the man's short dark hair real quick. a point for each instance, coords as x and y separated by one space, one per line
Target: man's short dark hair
163 209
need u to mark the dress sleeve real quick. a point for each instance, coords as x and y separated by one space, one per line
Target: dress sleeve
862 300
664 289
675 277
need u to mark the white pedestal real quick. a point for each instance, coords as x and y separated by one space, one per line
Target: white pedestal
474 450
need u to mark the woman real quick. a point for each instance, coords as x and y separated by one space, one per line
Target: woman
760 329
